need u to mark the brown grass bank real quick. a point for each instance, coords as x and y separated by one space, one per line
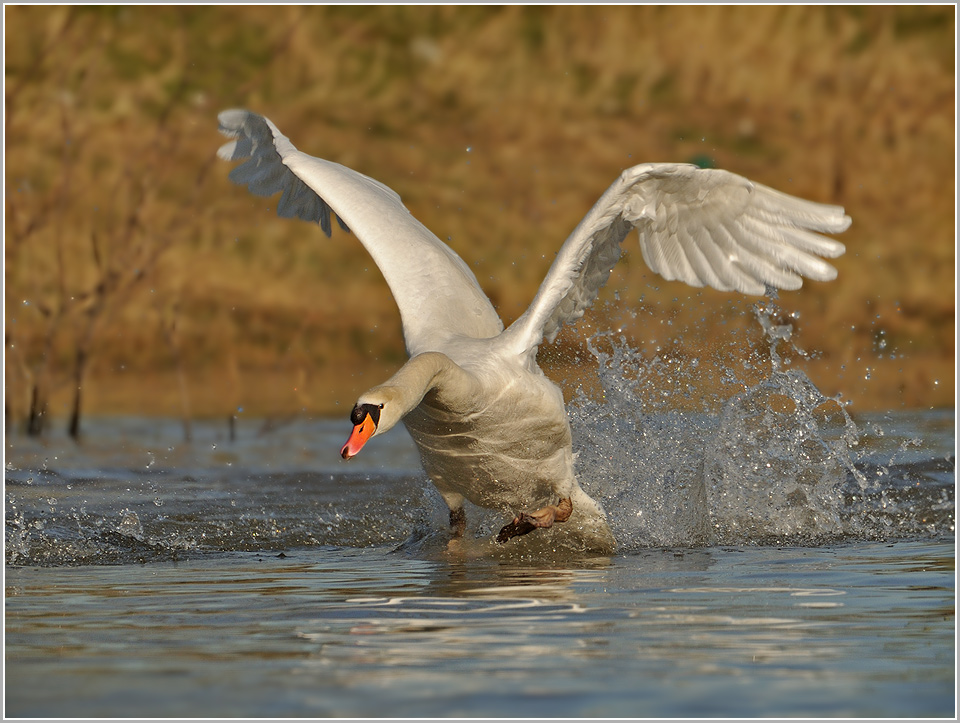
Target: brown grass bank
135 272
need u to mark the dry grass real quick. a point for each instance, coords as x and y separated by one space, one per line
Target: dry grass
499 126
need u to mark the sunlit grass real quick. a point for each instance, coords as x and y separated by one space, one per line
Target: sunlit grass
499 126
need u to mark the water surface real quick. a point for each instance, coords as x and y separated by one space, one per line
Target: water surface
263 577
854 630
776 557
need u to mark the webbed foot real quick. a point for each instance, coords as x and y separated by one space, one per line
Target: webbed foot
527 522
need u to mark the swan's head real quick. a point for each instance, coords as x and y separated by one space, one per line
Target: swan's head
366 419
377 411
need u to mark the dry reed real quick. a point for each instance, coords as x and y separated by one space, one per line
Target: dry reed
499 126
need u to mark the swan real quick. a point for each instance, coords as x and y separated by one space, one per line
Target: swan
490 427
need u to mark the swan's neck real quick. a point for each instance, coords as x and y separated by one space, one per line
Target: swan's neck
428 372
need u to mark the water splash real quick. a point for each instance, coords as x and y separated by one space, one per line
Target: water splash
762 459
780 463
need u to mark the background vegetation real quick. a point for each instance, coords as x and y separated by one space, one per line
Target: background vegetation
139 280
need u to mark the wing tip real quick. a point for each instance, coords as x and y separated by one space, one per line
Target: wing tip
835 249
835 220
226 151
231 121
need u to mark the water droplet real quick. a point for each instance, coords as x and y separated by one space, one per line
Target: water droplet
130 524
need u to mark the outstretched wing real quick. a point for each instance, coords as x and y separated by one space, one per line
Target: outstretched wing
438 296
703 226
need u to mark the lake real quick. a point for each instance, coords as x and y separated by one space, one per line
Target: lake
775 558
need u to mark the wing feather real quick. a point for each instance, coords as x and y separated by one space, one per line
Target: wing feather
437 294
704 227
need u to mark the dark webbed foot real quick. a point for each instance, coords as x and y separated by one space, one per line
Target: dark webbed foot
544 517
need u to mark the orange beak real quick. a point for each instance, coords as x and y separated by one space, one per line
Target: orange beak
358 437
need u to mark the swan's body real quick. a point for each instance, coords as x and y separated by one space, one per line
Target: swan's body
490 427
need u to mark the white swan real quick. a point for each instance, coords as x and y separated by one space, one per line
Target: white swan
490 427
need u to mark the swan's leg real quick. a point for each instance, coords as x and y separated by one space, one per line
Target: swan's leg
530 521
458 518
458 522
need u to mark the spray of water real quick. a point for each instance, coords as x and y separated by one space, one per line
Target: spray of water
762 458
778 464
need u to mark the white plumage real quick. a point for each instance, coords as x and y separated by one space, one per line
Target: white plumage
490 427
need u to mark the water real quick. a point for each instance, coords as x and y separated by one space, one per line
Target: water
851 630
776 558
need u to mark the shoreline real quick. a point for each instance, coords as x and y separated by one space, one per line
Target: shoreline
264 394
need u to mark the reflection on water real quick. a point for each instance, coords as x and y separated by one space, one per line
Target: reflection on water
859 630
